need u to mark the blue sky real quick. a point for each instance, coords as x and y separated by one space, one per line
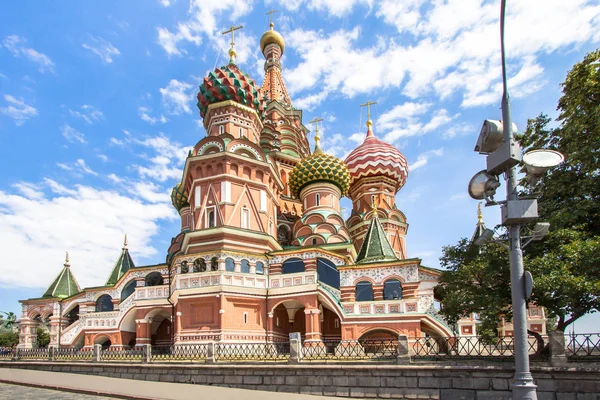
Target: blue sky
97 109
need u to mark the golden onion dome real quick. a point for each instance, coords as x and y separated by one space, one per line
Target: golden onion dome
179 197
320 167
271 36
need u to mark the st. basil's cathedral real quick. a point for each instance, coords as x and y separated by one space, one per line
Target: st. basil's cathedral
264 250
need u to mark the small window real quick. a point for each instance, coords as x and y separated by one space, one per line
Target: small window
392 289
260 268
373 200
229 264
241 133
245 318
210 218
277 321
245 266
314 241
364 291
336 323
292 266
317 199
184 267
104 303
221 129
214 264
245 218
199 265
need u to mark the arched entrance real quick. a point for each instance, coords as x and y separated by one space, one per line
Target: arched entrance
288 317
160 327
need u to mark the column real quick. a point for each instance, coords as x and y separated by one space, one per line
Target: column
270 326
141 332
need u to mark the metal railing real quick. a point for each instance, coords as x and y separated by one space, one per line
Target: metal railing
466 347
183 352
122 354
33 354
7 353
350 350
583 345
73 354
252 351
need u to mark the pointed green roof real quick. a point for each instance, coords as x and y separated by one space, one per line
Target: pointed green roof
65 284
375 247
480 225
124 263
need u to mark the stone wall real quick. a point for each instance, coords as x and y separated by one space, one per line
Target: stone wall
356 381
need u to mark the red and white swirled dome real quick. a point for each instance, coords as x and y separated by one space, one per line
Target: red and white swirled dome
377 158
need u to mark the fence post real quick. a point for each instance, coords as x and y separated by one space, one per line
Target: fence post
403 356
51 355
210 353
97 353
146 353
557 348
15 356
295 348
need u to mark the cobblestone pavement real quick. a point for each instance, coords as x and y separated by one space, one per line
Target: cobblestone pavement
18 392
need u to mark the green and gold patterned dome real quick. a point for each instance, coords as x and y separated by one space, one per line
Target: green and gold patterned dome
179 198
320 167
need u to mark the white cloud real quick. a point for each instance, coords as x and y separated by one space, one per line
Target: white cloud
203 15
103 157
102 48
423 159
88 113
116 142
176 97
144 113
80 163
165 3
167 161
17 46
337 8
87 222
18 110
72 134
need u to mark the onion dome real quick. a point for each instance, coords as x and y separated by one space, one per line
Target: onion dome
269 37
179 198
319 167
377 158
229 83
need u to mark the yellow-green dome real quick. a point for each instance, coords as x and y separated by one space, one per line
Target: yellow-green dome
320 167
271 36
179 198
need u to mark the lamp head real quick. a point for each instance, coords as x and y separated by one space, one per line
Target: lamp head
491 136
540 230
537 162
484 238
483 185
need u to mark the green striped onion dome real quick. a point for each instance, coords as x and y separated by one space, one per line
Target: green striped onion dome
229 83
179 198
320 167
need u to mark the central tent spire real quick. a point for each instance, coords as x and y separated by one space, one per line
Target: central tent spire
232 52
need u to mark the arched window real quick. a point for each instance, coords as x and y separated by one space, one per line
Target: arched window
245 266
199 265
328 273
185 267
317 199
260 268
364 291
128 289
392 289
221 129
292 265
214 264
155 279
104 303
229 264
73 315
245 218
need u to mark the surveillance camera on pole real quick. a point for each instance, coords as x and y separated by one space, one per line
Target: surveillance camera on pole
501 153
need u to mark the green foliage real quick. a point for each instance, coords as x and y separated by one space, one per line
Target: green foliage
9 339
7 323
566 264
476 280
43 337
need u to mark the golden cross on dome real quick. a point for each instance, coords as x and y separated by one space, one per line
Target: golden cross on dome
270 14
316 122
368 104
232 30
479 215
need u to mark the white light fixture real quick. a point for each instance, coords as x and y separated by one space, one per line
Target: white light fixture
484 238
540 230
483 185
537 162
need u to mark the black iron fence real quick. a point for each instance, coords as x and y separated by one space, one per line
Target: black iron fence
184 352
350 350
578 347
252 351
583 345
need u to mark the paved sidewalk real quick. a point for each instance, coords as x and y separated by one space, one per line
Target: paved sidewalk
18 392
131 388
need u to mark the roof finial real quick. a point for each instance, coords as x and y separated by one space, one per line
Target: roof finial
479 214
270 14
368 104
232 52
67 259
317 138
125 243
374 209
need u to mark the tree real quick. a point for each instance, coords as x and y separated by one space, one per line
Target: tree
565 264
8 322
476 280
9 339
43 337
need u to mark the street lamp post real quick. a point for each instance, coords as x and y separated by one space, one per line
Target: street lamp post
523 386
